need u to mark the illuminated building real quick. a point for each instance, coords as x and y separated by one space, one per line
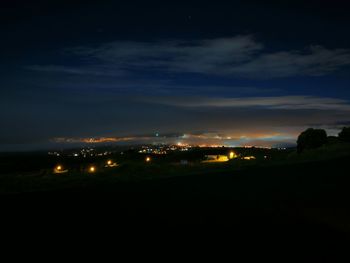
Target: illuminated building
249 158
232 155
215 158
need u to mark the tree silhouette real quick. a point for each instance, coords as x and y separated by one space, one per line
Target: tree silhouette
344 135
311 139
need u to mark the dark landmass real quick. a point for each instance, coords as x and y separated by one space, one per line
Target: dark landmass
290 196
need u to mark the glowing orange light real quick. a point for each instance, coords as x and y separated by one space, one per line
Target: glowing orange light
109 162
92 169
59 169
148 159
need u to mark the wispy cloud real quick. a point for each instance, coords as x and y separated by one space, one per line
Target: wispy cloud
280 102
176 55
96 70
312 61
241 56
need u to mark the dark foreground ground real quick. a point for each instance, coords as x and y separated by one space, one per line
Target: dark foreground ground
305 202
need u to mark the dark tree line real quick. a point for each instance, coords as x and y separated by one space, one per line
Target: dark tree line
344 135
315 138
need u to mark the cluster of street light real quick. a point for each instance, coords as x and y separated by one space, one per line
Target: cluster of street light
59 169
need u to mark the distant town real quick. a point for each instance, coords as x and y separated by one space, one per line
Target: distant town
158 149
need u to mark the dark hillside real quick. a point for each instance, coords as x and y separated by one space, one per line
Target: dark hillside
306 199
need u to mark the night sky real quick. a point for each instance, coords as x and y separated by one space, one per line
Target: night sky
232 73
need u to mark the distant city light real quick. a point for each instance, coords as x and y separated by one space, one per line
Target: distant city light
148 159
92 169
109 162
